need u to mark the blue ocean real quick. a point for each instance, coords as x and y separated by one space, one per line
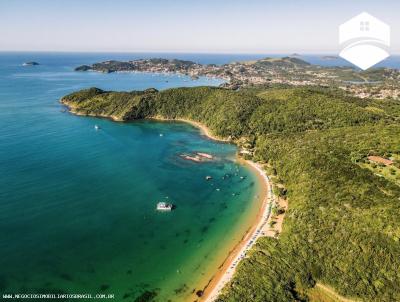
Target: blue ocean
77 206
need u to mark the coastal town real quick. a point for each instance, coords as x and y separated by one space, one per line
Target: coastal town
378 83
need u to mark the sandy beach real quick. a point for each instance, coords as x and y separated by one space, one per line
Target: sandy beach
204 130
228 268
258 229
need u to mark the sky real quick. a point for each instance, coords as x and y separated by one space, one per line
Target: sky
202 26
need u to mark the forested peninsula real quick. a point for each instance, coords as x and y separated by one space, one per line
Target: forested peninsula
326 151
378 83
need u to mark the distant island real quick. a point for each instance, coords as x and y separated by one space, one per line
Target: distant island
378 83
329 57
235 74
333 159
32 63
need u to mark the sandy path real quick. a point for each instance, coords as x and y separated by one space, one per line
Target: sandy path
332 292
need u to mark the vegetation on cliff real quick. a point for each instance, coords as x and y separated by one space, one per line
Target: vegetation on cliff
342 226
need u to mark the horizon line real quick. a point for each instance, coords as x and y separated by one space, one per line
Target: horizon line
299 53
178 51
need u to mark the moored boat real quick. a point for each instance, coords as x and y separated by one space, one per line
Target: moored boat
163 206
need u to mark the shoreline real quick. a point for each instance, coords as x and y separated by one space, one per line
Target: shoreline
203 128
226 270
169 73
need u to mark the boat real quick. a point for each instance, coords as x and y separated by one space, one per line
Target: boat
163 206
208 177
96 127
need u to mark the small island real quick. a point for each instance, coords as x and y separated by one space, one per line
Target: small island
329 57
31 63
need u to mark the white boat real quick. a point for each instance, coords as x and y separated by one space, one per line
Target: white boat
96 127
163 206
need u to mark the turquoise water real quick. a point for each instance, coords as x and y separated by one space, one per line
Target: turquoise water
77 206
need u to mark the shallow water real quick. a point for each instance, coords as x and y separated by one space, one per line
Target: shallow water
77 206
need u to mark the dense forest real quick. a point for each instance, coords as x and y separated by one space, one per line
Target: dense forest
342 227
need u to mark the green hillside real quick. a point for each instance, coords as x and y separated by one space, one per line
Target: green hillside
342 226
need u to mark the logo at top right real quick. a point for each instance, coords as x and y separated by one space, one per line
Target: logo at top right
365 40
